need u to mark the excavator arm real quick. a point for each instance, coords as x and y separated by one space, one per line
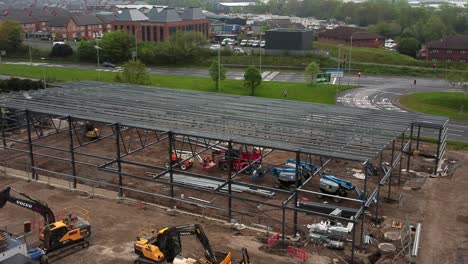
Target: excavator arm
195 230
28 203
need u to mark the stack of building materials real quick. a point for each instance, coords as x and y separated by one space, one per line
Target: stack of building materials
211 184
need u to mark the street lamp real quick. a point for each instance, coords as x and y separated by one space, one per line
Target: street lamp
219 67
349 64
97 55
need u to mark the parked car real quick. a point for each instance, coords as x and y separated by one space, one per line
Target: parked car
215 47
256 43
262 44
243 42
108 65
239 51
58 43
249 42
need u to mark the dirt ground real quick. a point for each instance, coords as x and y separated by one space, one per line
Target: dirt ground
115 227
437 203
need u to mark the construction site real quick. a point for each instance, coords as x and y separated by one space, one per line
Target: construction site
285 181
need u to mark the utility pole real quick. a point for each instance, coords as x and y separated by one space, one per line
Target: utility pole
29 47
219 68
349 64
260 49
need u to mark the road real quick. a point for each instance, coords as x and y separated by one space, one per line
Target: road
376 92
382 93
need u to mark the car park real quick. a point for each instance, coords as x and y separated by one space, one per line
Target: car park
239 50
215 47
262 44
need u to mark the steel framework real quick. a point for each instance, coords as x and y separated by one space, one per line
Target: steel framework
140 117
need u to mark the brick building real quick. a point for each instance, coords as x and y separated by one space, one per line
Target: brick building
58 27
449 49
84 27
30 20
344 35
159 26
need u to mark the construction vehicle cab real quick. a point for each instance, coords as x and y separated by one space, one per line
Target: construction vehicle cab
92 133
57 236
333 185
239 160
166 245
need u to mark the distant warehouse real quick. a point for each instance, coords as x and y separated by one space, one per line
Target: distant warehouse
295 41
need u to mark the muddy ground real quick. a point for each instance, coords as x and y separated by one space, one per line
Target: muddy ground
438 203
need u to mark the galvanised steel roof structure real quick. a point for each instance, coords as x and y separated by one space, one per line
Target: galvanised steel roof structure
318 129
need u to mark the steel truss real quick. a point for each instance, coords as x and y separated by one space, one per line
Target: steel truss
129 138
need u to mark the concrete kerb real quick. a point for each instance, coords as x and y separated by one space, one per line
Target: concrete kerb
105 194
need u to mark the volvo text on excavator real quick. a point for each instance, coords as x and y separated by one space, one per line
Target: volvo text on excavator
64 236
165 245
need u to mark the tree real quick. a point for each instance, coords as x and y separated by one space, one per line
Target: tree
434 29
217 73
134 72
252 78
408 46
87 51
311 71
454 78
11 35
116 46
60 50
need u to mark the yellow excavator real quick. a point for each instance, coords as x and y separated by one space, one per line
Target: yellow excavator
58 237
92 133
165 245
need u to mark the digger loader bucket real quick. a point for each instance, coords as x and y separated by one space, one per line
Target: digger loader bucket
4 196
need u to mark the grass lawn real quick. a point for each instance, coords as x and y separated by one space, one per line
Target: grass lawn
452 105
324 93
384 56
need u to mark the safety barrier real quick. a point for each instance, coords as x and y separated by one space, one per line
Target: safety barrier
298 253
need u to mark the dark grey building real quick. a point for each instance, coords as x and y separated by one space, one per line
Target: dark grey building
280 40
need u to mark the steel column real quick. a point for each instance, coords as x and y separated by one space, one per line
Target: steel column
419 137
72 152
229 180
31 153
296 193
170 137
353 245
391 174
401 157
438 151
410 150
119 162
3 124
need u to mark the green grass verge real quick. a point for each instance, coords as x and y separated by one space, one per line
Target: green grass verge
324 93
451 144
384 56
453 105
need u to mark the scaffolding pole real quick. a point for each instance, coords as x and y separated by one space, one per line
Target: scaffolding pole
72 152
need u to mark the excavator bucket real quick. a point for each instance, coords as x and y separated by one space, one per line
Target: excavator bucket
4 196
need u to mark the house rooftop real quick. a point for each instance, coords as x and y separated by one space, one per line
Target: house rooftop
86 20
345 33
193 13
131 15
451 42
165 16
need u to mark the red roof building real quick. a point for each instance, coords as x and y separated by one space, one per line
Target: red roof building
449 49
358 36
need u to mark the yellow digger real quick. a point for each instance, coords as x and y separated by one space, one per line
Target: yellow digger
165 245
58 237
92 133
